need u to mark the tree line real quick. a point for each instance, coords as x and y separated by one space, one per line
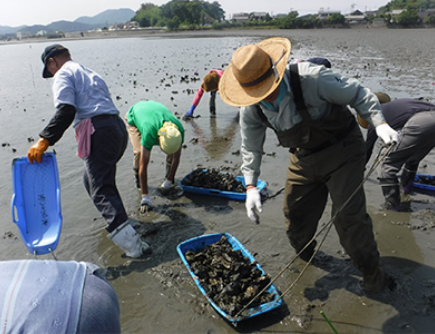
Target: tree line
197 14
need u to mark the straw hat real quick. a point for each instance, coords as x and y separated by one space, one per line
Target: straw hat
383 98
210 82
169 138
255 71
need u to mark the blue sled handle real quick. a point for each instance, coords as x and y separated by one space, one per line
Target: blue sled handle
13 209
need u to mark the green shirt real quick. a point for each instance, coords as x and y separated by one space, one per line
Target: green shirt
148 118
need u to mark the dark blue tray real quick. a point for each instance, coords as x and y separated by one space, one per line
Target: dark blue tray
422 185
199 243
215 192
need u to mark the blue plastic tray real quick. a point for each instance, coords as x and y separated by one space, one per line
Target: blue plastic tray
199 243
215 192
35 203
422 185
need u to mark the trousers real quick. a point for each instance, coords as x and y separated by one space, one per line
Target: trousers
336 171
108 144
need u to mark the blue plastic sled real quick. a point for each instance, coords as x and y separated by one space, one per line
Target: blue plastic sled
199 243
36 203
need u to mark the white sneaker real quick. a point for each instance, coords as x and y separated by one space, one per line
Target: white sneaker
126 237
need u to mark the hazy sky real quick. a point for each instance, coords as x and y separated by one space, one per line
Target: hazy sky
15 13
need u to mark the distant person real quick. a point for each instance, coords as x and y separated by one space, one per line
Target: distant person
51 297
209 84
305 104
415 121
81 98
151 124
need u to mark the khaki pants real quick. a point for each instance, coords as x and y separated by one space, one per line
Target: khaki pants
135 138
336 171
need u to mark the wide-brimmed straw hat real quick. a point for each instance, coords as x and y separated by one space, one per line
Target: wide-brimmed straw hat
210 82
255 72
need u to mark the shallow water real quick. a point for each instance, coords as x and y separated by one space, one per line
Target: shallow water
157 295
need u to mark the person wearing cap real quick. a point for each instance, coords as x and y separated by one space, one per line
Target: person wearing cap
210 84
82 98
149 124
306 105
415 121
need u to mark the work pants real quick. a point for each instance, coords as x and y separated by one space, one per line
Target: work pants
416 140
337 171
108 144
135 139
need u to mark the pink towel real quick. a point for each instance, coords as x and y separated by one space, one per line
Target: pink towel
84 131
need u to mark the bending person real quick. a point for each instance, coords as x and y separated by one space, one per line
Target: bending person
210 84
82 98
415 121
150 124
305 104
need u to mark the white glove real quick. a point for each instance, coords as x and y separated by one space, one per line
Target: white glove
253 204
165 187
387 134
146 204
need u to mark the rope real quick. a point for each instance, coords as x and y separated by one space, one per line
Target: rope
327 226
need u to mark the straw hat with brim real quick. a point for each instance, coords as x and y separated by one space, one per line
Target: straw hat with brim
210 82
383 98
255 72
169 138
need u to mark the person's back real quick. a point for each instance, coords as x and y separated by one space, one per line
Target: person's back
39 296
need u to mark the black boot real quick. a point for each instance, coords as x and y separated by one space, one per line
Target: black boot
375 281
407 180
391 193
136 176
308 252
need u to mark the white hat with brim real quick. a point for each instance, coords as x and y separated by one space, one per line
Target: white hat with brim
255 72
169 138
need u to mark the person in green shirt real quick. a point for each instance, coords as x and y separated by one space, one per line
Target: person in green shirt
149 124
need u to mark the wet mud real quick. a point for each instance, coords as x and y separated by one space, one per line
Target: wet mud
156 293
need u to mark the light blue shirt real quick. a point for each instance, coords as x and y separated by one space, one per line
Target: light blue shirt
84 89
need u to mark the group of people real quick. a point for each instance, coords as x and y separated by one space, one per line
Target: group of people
306 105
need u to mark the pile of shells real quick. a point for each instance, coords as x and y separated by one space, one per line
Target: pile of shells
228 277
213 179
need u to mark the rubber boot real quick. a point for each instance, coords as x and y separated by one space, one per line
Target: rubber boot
126 237
407 180
392 197
136 176
308 252
376 281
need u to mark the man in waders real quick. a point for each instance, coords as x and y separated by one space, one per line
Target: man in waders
305 104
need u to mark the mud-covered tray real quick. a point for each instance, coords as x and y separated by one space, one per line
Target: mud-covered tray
238 196
424 181
200 243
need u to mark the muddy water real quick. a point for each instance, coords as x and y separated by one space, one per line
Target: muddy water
157 295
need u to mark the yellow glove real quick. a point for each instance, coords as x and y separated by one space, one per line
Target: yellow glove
36 150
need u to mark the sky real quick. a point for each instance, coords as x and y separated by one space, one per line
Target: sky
15 13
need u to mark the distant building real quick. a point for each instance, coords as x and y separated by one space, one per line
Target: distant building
23 34
324 14
131 25
355 17
259 16
240 17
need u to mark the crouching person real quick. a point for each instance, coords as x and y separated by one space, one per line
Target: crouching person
150 124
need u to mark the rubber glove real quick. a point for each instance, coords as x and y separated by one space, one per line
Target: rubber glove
253 204
146 204
387 134
165 187
190 112
37 150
